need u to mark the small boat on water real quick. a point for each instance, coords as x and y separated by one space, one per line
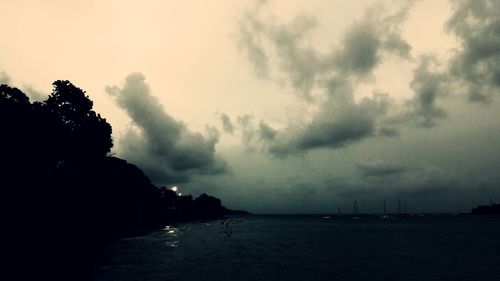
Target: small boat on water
355 211
385 216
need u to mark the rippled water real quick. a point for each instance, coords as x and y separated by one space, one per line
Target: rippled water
312 248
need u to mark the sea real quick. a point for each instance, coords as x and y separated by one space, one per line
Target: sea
311 247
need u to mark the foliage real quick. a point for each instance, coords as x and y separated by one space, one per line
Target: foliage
57 177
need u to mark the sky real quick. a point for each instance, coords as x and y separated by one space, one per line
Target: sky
282 106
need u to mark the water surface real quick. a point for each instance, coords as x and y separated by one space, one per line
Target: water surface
312 248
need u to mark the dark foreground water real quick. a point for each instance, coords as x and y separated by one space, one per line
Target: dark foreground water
312 248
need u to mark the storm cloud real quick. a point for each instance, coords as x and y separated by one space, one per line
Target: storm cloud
302 66
266 132
428 86
251 44
473 70
477 64
340 118
368 41
248 132
162 146
253 137
340 121
299 62
329 79
227 125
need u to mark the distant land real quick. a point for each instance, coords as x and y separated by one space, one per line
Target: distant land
492 209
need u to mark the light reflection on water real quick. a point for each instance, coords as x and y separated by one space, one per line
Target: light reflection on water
171 234
173 244
169 229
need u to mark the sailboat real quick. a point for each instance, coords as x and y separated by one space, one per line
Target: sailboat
405 210
355 210
385 216
402 211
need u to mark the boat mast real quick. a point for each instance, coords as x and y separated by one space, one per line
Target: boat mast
355 208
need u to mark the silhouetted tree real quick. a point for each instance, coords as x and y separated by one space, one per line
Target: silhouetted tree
12 96
209 207
16 119
57 178
492 209
88 134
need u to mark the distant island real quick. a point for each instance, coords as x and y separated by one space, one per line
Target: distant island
66 196
492 209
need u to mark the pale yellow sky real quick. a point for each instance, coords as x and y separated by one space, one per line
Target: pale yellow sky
186 49
188 52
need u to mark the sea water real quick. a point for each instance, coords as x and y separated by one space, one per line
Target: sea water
312 247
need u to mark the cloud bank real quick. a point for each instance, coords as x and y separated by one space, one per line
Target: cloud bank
162 146
477 64
340 118
328 80
227 125
432 146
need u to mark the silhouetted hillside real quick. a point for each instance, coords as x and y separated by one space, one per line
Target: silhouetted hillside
64 195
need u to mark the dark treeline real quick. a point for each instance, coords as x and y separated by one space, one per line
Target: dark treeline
492 209
64 196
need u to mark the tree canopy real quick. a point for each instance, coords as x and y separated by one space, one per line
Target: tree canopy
57 176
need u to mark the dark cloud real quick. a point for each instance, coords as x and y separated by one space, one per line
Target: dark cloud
442 169
162 146
388 132
252 136
266 132
394 43
379 168
302 66
360 49
251 44
426 188
429 189
366 42
340 119
4 78
428 86
341 125
299 61
477 64
227 125
247 128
